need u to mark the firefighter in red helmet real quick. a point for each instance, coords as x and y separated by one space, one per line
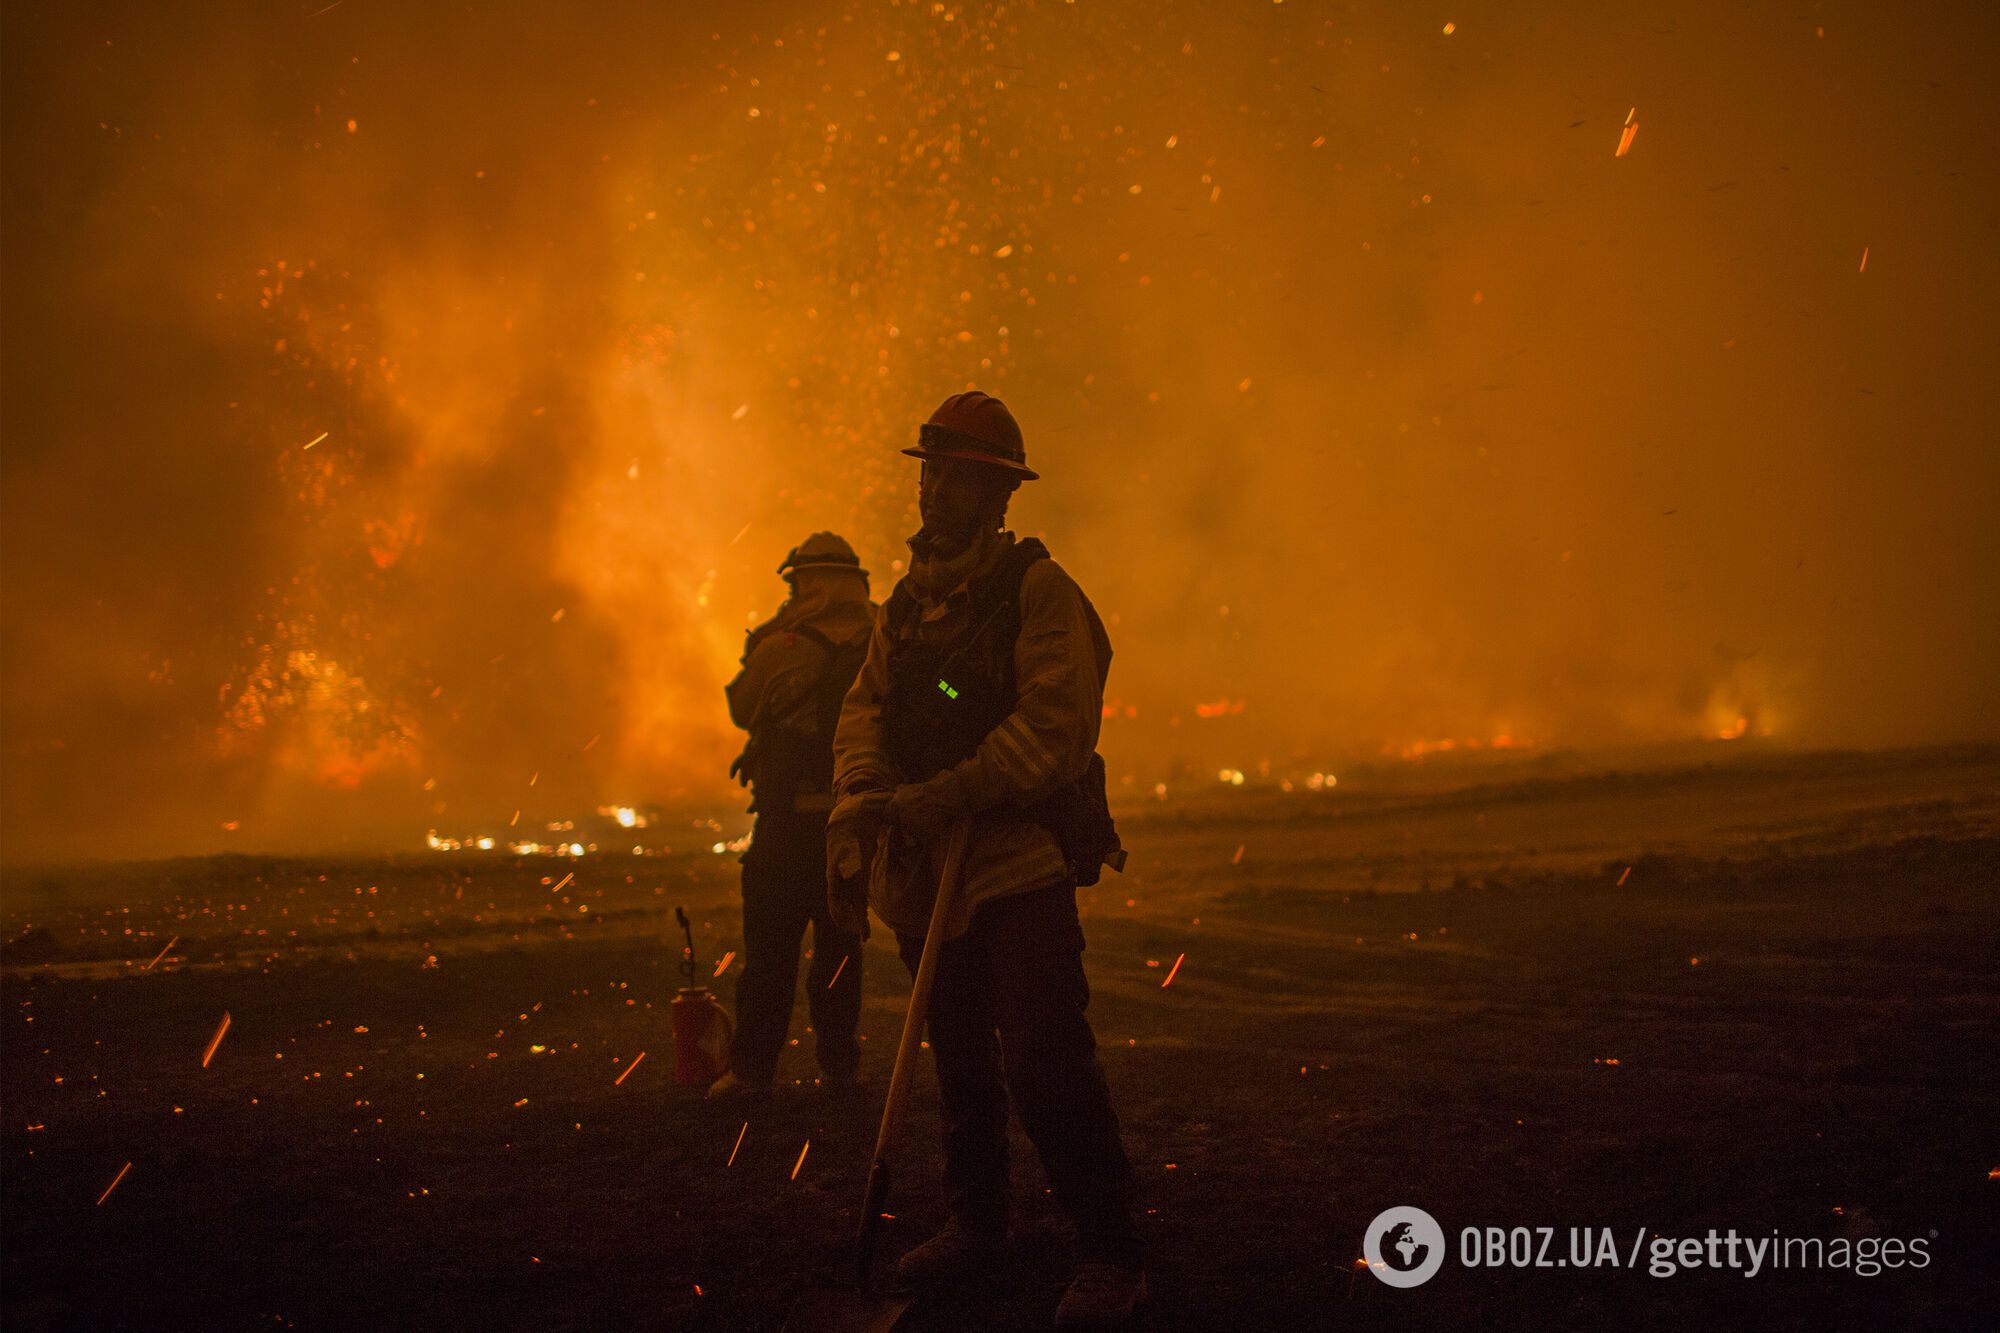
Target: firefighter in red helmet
980 700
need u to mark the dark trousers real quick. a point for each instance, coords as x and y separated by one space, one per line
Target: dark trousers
784 887
1006 1020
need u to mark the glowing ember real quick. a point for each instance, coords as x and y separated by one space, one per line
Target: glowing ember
628 1069
837 971
739 1145
722 963
803 1149
1174 971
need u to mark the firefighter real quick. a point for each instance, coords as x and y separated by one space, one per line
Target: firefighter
980 700
797 666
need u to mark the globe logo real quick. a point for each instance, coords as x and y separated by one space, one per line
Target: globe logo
1404 1246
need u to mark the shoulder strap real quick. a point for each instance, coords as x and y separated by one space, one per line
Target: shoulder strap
1025 553
900 608
817 636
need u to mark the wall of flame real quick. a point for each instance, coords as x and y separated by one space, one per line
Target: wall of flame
406 409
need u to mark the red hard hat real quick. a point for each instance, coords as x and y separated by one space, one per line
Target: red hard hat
976 427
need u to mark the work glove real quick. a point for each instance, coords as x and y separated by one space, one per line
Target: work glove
853 834
922 810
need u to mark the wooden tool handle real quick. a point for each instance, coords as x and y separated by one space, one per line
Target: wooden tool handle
906 1050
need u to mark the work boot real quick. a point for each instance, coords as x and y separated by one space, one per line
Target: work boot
957 1251
1102 1296
730 1088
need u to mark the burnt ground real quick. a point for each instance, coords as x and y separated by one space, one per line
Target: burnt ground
1783 1019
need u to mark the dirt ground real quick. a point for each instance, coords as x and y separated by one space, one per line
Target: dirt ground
1759 993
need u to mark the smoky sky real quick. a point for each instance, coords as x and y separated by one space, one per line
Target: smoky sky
406 407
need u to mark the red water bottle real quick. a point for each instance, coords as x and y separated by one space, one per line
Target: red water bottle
702 1030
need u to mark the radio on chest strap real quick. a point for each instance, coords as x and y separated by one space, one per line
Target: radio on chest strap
948 691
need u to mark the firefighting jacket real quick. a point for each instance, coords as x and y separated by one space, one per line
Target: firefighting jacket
1061 659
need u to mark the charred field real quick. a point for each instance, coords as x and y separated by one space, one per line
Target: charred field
1757 994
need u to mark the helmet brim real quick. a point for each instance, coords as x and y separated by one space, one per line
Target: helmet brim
844 566
1021 470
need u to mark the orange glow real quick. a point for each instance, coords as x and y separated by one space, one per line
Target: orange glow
553 504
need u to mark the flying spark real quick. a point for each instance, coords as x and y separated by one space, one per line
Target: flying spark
161 954
723 965
628 1069
838 970
739 1145
114 1184
804 1148
1170 974
216 1040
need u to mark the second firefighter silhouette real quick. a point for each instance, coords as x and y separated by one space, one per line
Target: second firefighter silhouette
797 666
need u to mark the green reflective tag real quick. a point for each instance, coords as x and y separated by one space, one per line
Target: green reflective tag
949 692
